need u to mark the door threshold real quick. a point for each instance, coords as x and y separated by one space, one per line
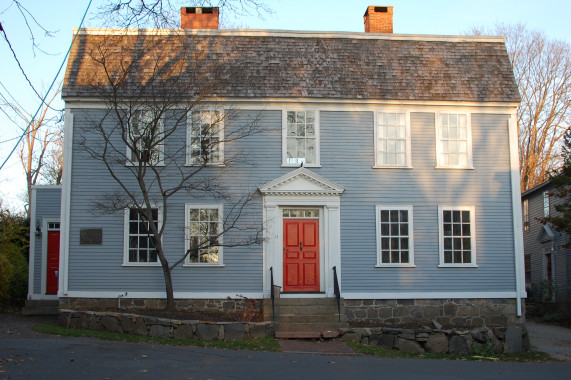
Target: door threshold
303 295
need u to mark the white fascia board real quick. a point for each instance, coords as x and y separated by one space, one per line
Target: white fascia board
426 295
162 295
32 245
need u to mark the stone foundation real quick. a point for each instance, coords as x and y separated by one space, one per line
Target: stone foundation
164 328
482 341
447 312
244 306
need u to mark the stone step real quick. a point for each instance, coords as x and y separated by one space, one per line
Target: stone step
298 335
332 318
307 327
302 301
41 307
302 310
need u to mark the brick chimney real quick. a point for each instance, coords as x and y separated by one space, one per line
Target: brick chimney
199 18
378 19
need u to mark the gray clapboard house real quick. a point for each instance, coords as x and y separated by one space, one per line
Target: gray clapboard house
391 158
547 262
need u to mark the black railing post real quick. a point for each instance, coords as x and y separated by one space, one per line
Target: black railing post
272 293
337 292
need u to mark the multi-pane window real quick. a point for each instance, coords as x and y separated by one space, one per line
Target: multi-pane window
204 229
140 242
301 138
145 136
525 210
546 210
205 137
393 139
394 236
454 140
457 240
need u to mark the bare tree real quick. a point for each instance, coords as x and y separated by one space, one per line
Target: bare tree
166 13
542 69
150 102
36 146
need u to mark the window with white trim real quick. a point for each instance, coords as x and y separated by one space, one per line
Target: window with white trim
145 135
546 209
457 236
525 208
395 245
203 234
205 140
392 144
454 140
139 240
301 138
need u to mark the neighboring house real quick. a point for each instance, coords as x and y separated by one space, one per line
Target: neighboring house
547 257
44 250
409 185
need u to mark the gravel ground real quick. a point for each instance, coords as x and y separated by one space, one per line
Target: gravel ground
553 340
16 324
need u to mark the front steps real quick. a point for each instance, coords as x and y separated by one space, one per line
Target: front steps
41 307
305 317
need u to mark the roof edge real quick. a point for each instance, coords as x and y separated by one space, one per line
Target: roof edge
534 189
288 33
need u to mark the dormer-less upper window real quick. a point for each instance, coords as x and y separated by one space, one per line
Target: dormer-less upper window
205 140
454 140
145 138
301 138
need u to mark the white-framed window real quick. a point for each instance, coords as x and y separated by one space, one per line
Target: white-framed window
204 226
457 236
205 137
525 209
300 137
453 140
395 243
546 209
139 245
145 133
392 139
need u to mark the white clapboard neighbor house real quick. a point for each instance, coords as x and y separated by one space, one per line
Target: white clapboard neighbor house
383 165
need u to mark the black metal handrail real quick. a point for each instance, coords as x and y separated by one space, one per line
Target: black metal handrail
337 292
272 293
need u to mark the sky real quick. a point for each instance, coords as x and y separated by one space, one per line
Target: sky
437 17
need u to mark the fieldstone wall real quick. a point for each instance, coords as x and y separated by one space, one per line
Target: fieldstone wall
484 341
225 304
164 328
448 312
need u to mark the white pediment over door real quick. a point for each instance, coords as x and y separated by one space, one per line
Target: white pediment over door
301 181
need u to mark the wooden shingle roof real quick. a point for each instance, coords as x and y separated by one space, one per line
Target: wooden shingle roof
266 64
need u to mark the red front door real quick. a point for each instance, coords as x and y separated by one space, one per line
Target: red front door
301 255
52 262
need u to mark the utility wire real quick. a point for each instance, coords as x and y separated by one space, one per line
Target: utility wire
49 89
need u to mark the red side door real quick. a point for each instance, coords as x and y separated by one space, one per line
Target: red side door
301 255
52 262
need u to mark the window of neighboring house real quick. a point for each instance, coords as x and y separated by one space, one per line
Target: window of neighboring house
144 135
203 234
394 236
548 271
546 210
205 137
454 140
457 236
301 138
139 240
527 264
392 139
525 208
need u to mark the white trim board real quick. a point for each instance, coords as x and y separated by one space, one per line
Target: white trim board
162 295
426 295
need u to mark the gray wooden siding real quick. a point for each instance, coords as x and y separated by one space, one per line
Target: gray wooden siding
347 157
537 249
48 201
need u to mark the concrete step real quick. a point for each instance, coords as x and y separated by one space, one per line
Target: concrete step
302 301
307 327
302 310
41 307
331 318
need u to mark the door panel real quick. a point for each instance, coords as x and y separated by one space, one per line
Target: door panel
301 255
52 266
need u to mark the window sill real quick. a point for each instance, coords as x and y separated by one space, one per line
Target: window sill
455 167
221 165
142 265
134 164
457 266
205 265
298 166
395 266
392 167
